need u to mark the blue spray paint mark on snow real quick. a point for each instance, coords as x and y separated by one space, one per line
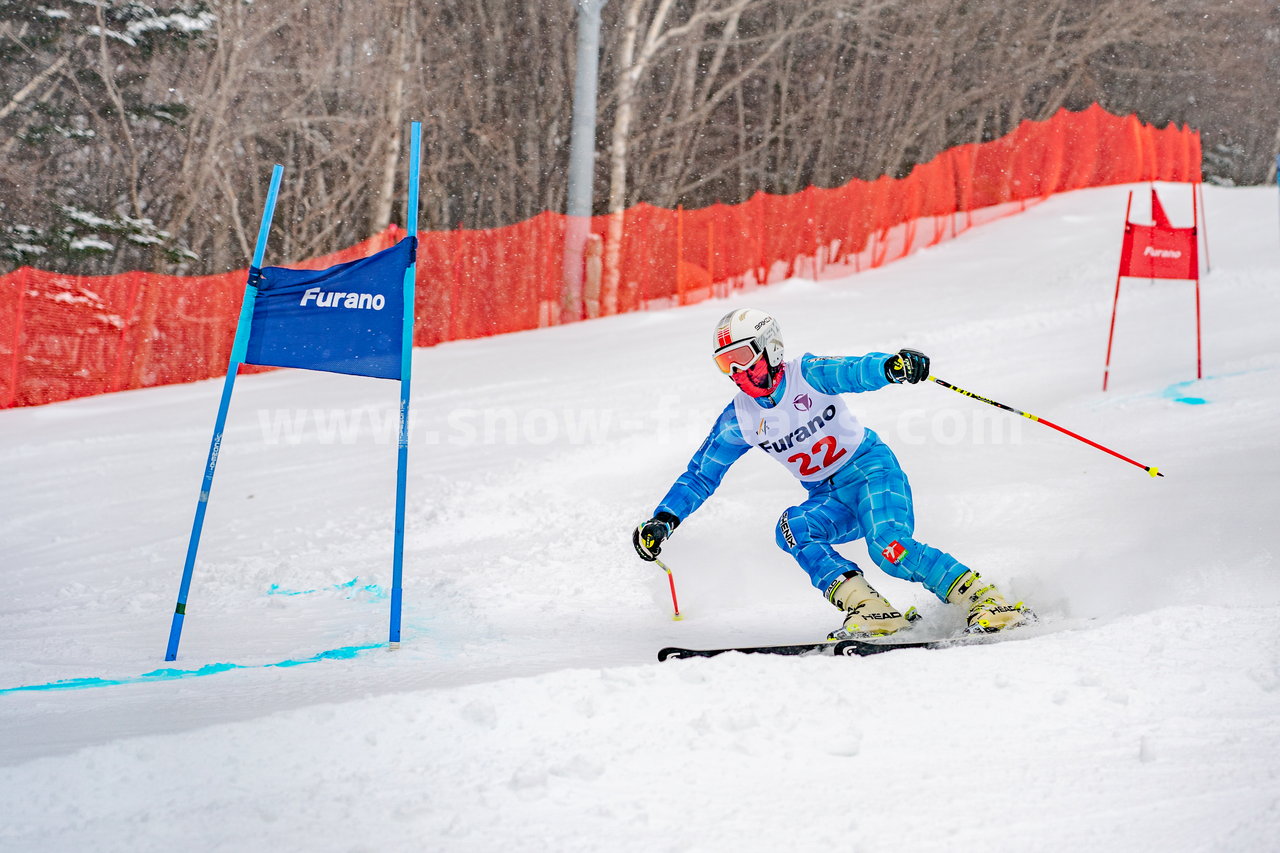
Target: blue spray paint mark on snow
373 591
1174 393
345 653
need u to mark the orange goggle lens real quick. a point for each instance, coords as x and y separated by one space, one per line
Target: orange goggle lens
737 356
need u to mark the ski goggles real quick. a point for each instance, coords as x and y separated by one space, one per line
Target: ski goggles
737 356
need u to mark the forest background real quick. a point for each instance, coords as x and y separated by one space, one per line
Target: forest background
139 136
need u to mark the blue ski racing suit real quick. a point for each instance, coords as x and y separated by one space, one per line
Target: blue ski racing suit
855 492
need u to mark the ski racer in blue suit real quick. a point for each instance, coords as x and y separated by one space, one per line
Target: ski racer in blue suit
793 411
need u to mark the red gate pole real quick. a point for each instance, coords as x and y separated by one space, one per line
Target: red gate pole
1194 229
1199 187
1106 371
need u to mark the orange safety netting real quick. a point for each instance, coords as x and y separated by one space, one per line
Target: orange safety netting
64 336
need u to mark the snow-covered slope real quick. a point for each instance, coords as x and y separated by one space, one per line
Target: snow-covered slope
525 710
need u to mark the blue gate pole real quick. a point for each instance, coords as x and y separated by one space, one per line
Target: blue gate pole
238 348
406 370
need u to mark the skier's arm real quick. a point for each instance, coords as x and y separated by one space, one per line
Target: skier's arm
722 447
871 372
845 374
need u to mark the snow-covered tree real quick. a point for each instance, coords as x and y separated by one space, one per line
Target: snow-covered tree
84 109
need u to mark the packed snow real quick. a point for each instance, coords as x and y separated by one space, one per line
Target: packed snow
526 709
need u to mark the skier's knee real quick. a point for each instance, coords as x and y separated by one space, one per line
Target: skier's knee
790 530
889 545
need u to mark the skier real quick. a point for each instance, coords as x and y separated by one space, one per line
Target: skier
857 490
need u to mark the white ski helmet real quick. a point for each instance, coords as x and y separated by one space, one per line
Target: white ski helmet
748 348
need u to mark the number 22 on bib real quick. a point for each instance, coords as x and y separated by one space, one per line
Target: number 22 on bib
810 433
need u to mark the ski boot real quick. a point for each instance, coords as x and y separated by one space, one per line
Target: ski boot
867 613
989 610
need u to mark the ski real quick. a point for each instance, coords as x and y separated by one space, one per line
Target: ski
826 648
1033 627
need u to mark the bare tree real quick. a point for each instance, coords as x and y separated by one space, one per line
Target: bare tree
141 137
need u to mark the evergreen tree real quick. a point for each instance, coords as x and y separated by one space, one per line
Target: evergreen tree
80 111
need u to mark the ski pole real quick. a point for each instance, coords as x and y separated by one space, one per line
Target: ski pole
672 581
1152 470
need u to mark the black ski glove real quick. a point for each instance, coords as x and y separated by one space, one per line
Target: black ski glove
648 537
907 366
